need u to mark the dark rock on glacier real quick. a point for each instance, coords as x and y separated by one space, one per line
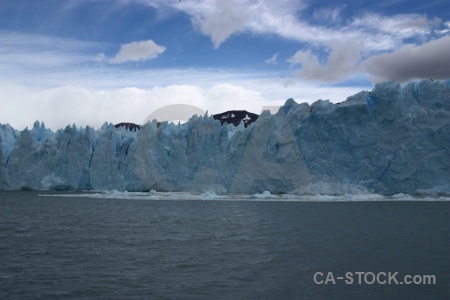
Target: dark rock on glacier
235 117
129 126
392 140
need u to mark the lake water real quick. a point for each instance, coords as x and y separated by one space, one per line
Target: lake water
73 246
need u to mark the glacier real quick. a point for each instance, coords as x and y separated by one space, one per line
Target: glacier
393 139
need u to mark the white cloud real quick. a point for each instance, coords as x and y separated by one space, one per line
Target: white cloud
272 60
63 81
138 51
330 15
220 19
366 35
224 19
69 104
225 96
64 105
24 52
398 26
342 62
445 30
53 62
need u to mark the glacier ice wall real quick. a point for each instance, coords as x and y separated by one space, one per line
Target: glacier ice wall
391 140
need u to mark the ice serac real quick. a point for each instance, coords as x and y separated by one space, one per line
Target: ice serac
388 141
66 159
8 137
391 140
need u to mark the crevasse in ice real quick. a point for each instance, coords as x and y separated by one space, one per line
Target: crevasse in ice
392 140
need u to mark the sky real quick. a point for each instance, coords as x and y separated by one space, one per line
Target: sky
87 62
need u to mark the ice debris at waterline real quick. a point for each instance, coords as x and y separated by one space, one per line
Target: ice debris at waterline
391 140
264 196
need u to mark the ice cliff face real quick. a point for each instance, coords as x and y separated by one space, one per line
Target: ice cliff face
391 140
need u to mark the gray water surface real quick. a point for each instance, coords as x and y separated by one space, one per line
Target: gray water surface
83 248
